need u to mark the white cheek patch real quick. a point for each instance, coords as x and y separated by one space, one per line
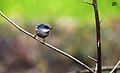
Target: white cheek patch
45 30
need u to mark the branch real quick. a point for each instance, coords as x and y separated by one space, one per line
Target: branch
96 65
46 44
115 67
96 68
101 20
98 41
92 59
105 68
87 3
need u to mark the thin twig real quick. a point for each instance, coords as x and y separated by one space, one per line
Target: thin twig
46 44
96 68
92 59
115 67
87 2
98 41
104 68
101 20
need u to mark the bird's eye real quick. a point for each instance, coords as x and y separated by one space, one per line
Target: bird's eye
46 27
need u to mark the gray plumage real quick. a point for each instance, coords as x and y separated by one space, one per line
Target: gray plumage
43 30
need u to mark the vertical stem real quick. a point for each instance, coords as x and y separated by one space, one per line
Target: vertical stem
98 41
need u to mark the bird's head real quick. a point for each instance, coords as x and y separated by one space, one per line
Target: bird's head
44 26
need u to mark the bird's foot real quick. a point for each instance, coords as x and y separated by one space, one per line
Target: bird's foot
35 36
43 40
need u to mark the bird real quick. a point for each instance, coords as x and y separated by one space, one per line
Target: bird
42 30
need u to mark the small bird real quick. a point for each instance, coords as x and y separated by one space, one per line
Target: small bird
42 30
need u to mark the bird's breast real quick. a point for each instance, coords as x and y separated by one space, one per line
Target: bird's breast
42 32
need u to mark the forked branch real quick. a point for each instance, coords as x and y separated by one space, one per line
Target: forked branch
98 36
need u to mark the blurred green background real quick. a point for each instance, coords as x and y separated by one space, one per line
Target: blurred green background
73 31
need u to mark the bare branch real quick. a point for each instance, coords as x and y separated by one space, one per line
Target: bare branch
98 41
96 68
87 2
115 67
104 68
98 35
46 44
92 59
101 20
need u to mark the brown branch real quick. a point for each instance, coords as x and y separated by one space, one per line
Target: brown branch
98 41
98 37
105 68
46 44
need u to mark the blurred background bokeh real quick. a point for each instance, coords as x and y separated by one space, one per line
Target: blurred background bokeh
73 31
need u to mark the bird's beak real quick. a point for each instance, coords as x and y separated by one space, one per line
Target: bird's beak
50 28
